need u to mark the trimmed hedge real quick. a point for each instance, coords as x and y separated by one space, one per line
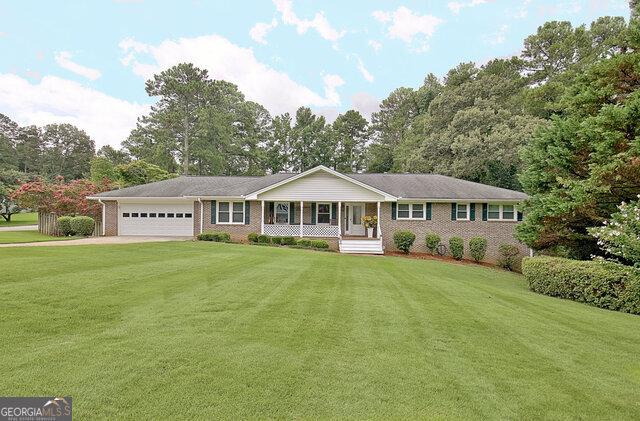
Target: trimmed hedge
76 225
319 244
288 241
404 240
602 284
456 247
82 225
477 248
264 239
252 237
217 236
509 256
303 242
64 225
276 240
432 241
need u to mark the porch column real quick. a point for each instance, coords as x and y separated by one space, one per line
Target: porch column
262 217
339 219
301 216
378 233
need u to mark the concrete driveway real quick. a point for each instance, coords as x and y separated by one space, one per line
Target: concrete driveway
100 240
20 228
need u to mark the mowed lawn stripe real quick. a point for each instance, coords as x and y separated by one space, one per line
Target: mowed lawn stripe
228 331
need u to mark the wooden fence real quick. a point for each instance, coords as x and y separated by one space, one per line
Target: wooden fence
48 224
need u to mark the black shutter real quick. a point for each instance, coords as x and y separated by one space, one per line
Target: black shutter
292 213
213 212
334 210
485 211
453 211
428 207
247 212
272 215
394 208
472 212
313 213
519 216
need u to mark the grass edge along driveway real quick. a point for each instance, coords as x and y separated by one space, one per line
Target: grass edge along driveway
206 330
31 236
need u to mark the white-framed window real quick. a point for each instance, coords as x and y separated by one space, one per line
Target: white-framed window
498 212
462 211
281 210
231 212
323 213
411 211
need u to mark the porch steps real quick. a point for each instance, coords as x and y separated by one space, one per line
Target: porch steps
363 246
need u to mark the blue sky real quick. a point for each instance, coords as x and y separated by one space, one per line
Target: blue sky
85 62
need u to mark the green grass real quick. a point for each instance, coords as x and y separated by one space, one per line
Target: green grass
7 237
28 218
208 330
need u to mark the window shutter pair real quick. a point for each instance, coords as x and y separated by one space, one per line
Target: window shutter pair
472 211
313 213
292 213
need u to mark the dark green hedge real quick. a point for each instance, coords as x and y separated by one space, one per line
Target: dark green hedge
601 284
219 237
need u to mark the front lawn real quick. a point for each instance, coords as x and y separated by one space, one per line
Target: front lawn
18 219
8 237
208 330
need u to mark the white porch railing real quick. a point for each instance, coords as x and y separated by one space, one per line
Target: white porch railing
307 230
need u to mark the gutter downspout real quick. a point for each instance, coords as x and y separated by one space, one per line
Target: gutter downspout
104 209
201 214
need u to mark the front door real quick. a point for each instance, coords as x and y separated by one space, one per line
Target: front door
354 213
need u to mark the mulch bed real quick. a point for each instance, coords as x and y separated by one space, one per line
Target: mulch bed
448 259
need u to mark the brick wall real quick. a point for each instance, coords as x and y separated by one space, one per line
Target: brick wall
496 232
111 218
238 232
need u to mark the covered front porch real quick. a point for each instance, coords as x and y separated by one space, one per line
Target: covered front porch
319 219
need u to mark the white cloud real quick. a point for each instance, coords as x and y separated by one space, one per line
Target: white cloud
260 31
106 119
365 103
363 70
319 22
225 60
456 6
376 45
497 37
405 25
63 58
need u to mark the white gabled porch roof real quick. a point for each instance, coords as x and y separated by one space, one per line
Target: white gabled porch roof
384 196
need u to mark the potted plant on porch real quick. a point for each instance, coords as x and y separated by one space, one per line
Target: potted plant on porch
370 222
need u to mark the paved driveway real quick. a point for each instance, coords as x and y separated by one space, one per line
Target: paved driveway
19 228
99 240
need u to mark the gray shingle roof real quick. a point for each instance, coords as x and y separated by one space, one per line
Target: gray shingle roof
435 186
414 186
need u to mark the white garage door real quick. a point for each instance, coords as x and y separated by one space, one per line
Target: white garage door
174 219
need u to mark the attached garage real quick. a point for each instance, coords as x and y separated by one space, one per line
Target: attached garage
168 219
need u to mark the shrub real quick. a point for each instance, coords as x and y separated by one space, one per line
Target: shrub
319 244
478 248
509 256
276 240
219 237
404 240
82 225
432 240
64 225
602 284
264 239
456 247
288 241
252 237
303 242
620 235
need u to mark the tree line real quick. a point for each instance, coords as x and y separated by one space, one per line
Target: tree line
555 121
